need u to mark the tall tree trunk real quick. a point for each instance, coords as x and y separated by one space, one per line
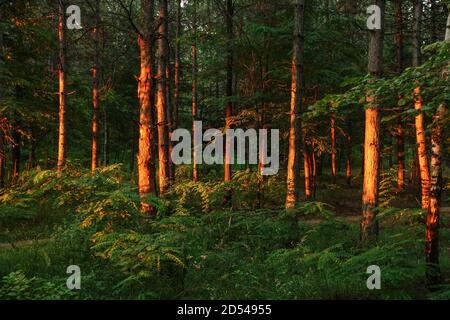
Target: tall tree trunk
417 37
422 161
398 37
333 146
418 102
348 171
169 76
314 171
194 96
62 90
399 69
15 149
369 224
434 14
295 140
145 158
161 105
95 87
105 137
2 121
400 155
2 159
31 154
307 166
436 187
229 93
432 233
169 99
447 29
177 71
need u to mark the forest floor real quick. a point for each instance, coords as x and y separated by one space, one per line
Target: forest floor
312 253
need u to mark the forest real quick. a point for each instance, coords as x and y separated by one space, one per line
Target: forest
224 149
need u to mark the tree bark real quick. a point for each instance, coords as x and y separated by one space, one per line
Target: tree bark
348 171
417 37
432 233
447 29
436 187
400 155
194 95
419 119
333 146
2 121
15 149
421 149
229 92
145 158
177 71
369 224
95 87
307 166
62 90
295 140
400 141
161 102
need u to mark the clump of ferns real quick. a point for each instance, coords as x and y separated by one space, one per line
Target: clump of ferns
387 192
191 197
140 257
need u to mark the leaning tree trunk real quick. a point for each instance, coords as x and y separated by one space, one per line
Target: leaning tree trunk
62 90
161 102
369 224
145 158
294 155
95 88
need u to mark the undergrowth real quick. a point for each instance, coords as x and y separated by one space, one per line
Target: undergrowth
196 248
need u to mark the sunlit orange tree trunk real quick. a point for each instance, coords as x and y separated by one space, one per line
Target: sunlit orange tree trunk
145 158
333 146
62 90
422 149
424 170
229 93
307 165
294 152
369 224
161 101
95 87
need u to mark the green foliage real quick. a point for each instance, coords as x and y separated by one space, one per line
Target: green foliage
17 286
